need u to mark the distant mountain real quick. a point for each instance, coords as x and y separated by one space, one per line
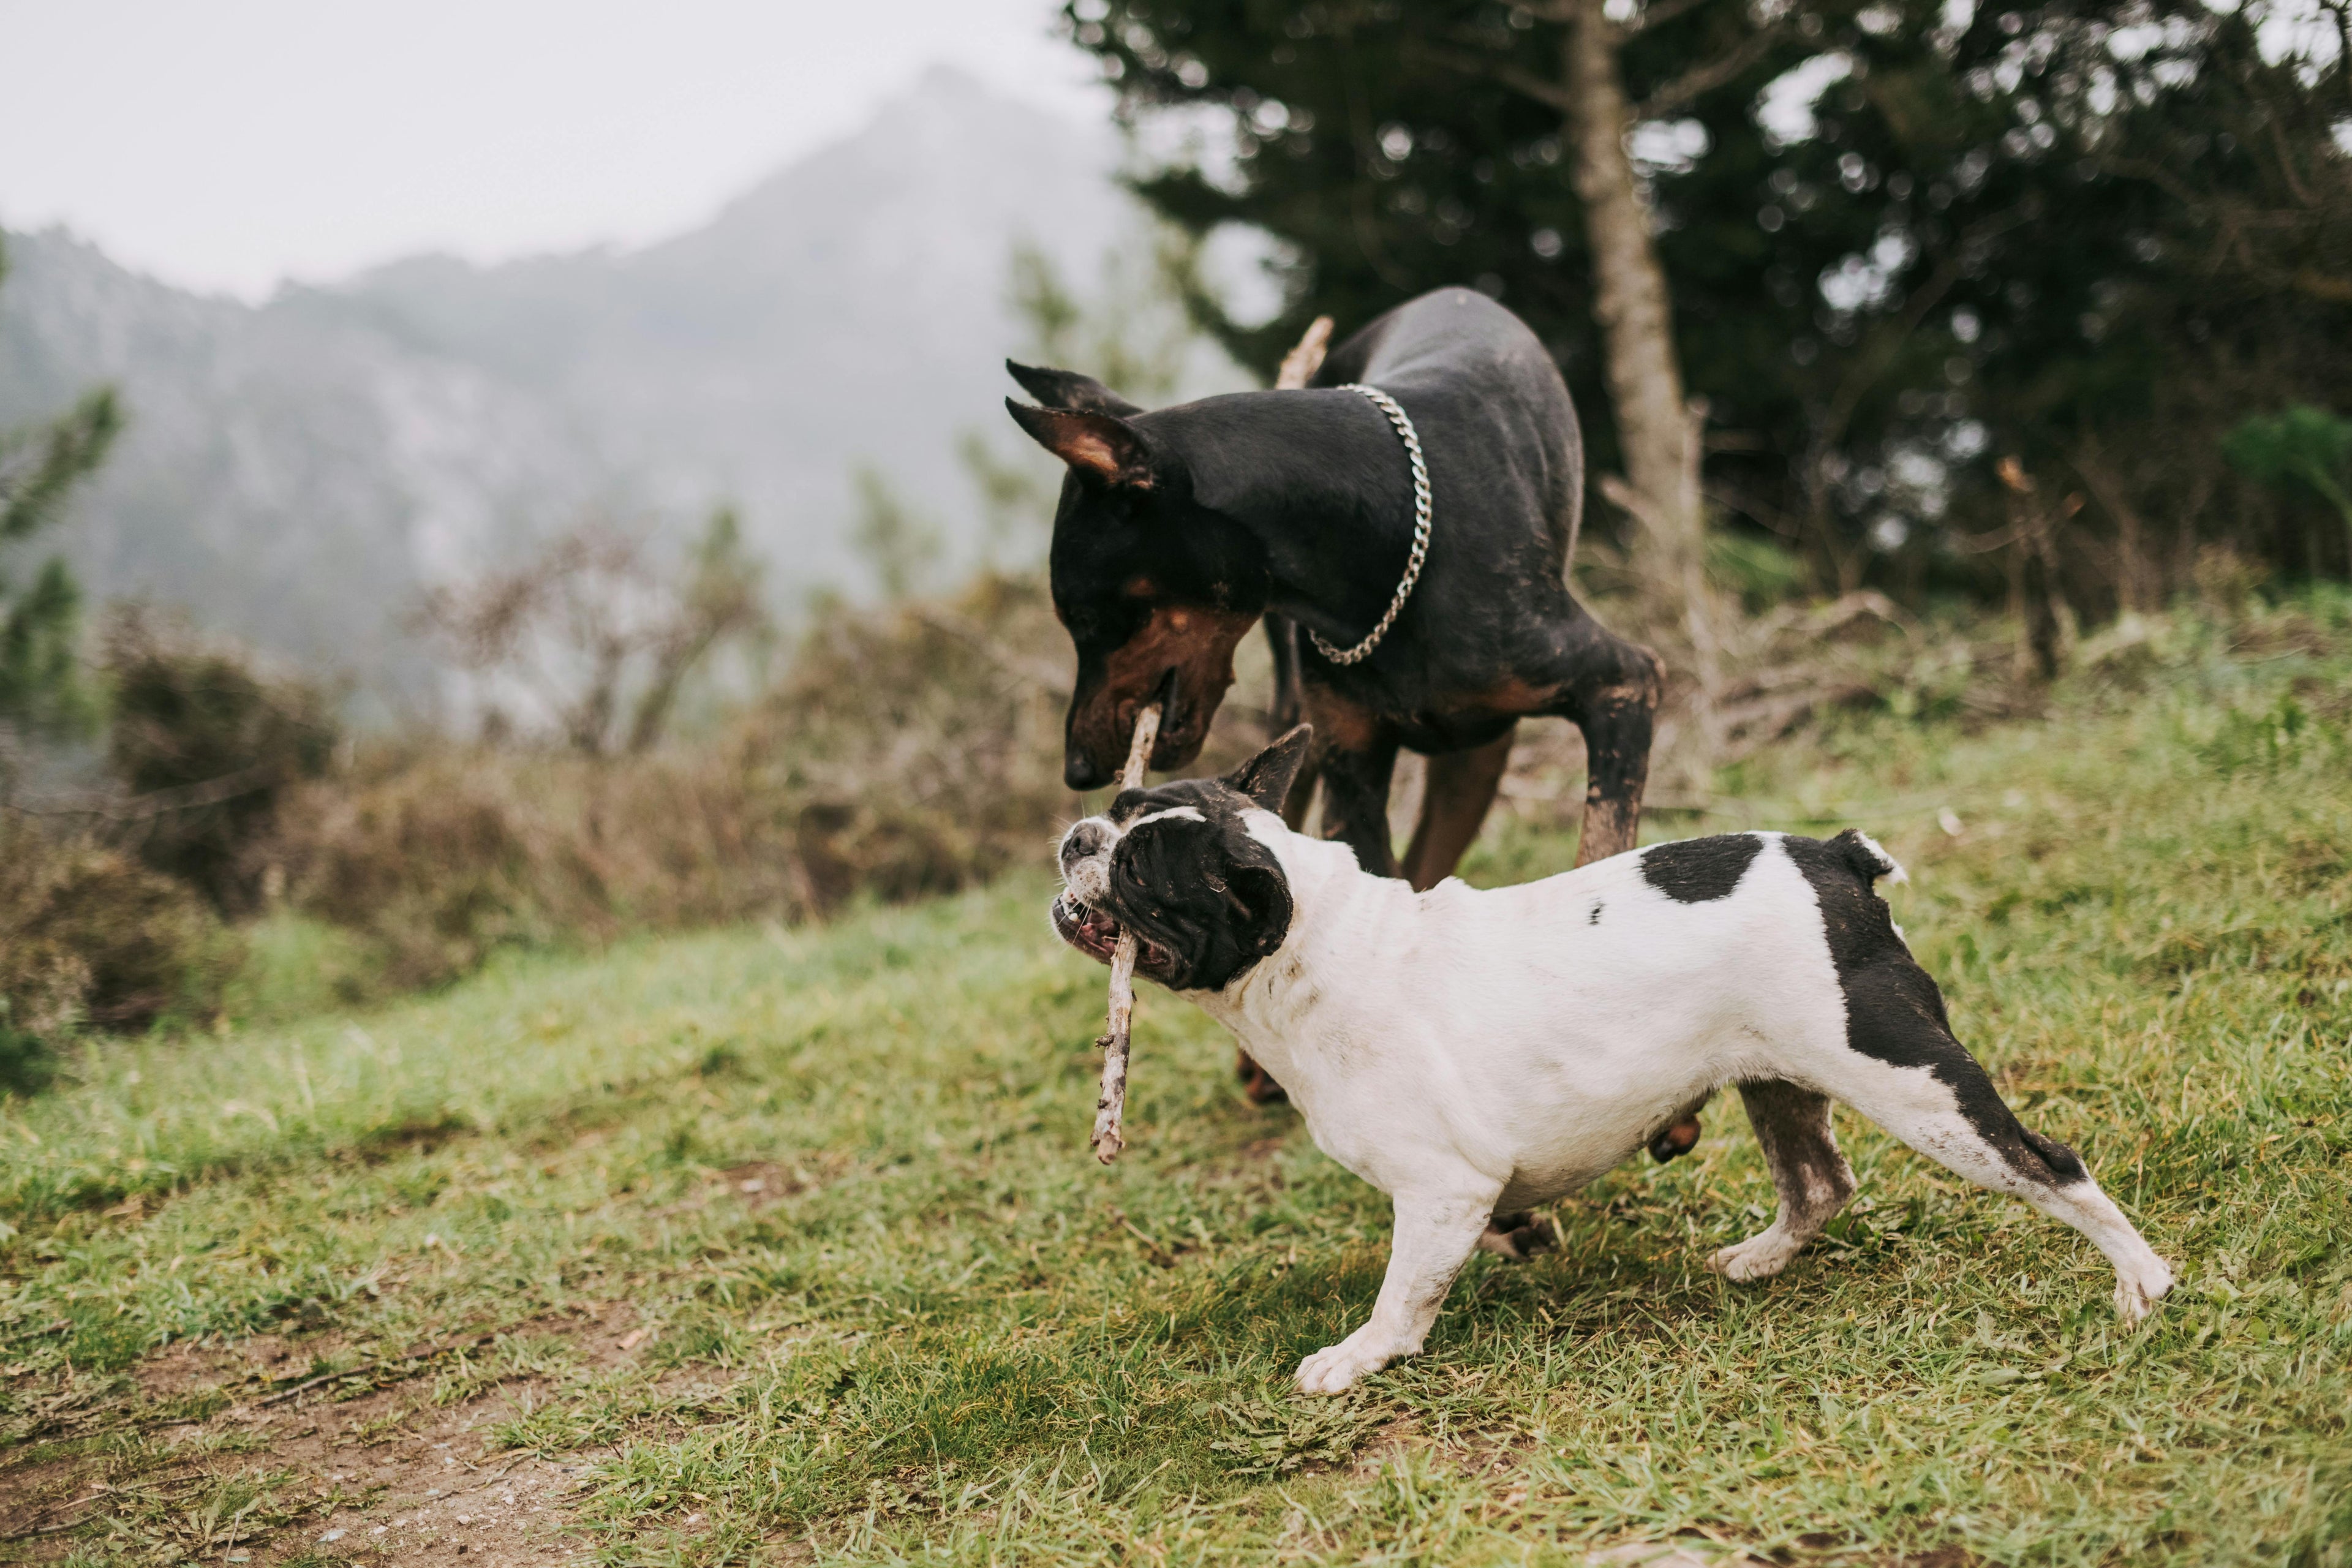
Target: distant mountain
295 471
288 473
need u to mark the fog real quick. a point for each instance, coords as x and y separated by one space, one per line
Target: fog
230 146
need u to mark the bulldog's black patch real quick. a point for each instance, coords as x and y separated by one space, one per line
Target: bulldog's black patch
1204 898
1894 1011
1199 888
1700 871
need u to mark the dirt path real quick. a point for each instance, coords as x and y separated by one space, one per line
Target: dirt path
386 1475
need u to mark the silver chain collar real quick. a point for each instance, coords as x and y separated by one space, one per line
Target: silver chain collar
1412 440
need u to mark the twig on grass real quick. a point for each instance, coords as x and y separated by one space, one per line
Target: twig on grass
369 1368
1111 1103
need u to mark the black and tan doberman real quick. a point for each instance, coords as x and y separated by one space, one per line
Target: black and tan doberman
1179 528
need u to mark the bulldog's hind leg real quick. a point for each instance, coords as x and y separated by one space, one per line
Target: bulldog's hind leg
1912 1077
1435 1237
1792 1127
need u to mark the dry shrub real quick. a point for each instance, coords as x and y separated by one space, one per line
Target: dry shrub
600 635
2226 582
441 855
916 750
911 751
88 936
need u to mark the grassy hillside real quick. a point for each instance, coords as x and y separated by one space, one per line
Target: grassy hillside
766 1243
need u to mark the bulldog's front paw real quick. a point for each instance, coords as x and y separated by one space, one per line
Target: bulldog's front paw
2137 1294
1335 1368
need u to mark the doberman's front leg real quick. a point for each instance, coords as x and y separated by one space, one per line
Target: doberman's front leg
1613 695
1356 801
1289 706
1357 756
1282 642
1461 787
1614 688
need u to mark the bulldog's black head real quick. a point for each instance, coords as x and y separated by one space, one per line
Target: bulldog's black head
1149 582
1178 866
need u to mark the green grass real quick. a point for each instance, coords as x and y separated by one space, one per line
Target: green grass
957 1339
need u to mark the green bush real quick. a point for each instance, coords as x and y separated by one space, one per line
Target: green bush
200 720
89 938
1760 571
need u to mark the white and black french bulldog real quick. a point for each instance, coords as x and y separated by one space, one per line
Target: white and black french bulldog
1472 1052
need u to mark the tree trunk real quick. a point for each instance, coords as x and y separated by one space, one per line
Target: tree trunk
1656 427
2136 588
2035 595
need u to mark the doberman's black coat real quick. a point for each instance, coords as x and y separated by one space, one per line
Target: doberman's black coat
1180 527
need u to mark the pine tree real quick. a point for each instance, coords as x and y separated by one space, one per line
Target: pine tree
40 619
2083 237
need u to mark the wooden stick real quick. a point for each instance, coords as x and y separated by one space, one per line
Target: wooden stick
1300 365
1111 1102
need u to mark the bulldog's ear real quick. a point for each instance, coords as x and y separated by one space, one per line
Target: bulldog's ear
1070 392
1266 894
1098 445
1265 778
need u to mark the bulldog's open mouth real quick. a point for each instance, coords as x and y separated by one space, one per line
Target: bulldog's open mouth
1094 933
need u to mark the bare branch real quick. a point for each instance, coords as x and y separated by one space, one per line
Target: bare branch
1658 15
1701 79
1518 78
1110 1104
162 802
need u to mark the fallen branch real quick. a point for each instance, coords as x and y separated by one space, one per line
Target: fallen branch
369 1368
1111 1103
162 802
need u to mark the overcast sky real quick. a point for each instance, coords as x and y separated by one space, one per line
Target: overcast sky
227 145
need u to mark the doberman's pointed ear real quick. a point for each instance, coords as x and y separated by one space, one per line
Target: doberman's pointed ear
1265 778
1070 392
1098 445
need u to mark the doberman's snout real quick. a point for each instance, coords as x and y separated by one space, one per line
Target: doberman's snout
1082 773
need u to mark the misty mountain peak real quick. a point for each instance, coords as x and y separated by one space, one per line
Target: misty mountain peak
294 472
